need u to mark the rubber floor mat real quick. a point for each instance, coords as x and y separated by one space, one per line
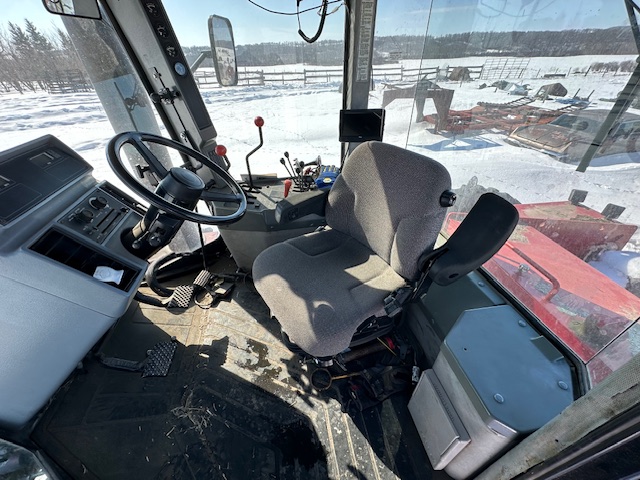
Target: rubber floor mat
236 404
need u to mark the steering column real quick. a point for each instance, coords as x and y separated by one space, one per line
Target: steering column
176 195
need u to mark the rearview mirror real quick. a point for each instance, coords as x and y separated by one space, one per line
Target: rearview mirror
74 8
223 50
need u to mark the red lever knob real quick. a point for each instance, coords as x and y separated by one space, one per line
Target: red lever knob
259 121
287 187
221 150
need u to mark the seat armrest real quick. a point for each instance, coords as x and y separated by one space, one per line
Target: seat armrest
301 204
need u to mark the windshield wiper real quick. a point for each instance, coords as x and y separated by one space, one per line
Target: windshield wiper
625 98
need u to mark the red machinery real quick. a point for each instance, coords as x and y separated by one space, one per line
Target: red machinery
501 116
575 227
584 308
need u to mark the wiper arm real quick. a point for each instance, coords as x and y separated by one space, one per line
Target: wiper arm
624 99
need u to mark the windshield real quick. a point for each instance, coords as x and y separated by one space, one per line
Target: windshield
296 87
508 95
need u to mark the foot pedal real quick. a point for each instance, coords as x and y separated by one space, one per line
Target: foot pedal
181 297
222 289
156 364
159 359
202 280
121 363
210 296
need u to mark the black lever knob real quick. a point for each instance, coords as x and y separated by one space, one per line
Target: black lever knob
448 199
85 216
98 202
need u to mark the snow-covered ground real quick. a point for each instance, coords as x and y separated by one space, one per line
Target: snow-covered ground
304 121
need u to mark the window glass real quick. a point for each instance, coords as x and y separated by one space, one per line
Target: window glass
67 77
510 97
295 86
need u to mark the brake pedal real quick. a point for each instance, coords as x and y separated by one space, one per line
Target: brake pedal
181 297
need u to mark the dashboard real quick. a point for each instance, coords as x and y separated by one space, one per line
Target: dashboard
65 277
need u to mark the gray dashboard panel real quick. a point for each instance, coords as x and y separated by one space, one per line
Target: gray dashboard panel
43 339
51 313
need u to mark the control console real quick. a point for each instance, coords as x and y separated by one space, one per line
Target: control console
96 216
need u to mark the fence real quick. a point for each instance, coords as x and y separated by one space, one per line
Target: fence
65 81
75 81
207 78
502 68
70 81
402 74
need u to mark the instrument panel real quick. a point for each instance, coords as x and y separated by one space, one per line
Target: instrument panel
31 173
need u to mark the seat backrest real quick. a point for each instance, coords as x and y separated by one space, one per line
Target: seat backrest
388 199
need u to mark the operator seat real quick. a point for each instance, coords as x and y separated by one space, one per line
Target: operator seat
383 213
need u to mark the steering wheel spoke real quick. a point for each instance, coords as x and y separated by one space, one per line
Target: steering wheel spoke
154 164
221 197
136 139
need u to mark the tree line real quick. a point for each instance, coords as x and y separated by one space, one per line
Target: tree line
609 41
32 60
564 43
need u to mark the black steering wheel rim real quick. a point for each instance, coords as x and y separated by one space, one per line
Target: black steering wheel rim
135 139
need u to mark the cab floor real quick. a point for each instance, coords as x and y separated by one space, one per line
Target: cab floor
236 404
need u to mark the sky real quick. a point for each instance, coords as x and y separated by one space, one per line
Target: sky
394 17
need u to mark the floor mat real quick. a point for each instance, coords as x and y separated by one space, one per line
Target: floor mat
236 404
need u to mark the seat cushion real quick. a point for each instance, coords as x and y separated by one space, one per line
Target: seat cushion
321 287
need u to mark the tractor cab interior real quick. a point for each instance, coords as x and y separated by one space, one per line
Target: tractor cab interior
336 240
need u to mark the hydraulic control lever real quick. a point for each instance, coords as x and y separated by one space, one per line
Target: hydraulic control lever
259 122
303 175
284 164
292 171
221 151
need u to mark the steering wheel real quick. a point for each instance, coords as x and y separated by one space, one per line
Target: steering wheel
136 139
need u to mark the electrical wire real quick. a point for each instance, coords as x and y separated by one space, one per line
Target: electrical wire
294 13
323 16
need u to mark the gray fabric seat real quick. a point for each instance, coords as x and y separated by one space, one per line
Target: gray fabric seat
383 213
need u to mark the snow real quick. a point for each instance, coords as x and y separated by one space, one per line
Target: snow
621 267
528 175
